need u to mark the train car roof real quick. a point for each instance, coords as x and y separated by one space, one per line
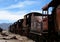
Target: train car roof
19 19
36 14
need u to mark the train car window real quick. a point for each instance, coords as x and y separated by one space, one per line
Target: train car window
50 10
19 21
27 16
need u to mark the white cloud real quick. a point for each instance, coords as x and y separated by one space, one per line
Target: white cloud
21 4
40 11
10 16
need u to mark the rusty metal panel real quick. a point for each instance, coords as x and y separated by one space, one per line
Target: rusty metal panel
37 25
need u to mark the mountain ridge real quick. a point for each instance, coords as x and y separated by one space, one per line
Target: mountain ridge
5 25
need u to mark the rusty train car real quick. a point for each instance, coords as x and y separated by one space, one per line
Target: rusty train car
32 26
39 26
16 27
54 24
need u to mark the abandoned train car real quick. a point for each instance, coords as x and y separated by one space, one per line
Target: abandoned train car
54 24
16 27
34 23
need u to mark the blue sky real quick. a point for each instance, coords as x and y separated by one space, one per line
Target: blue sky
13 10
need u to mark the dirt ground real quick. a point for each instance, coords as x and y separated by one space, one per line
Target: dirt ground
6 36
